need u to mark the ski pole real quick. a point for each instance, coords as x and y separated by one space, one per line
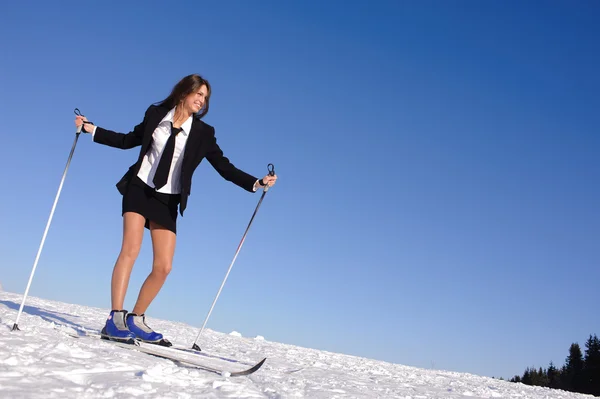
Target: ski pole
77 132
271 170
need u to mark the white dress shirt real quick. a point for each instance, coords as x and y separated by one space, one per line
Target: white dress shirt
152 157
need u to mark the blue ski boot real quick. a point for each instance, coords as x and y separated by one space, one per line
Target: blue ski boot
116 329
137 325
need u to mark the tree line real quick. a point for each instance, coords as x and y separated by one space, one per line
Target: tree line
580 373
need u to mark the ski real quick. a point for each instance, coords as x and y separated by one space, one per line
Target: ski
179 356
154 350
166 343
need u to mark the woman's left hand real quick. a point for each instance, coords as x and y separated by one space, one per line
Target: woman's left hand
269 180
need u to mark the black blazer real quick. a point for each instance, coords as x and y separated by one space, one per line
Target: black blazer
201 144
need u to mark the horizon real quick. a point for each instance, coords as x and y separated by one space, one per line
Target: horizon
436 200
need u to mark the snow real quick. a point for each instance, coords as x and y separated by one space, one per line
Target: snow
43 361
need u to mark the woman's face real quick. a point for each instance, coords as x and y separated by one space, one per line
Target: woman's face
194 102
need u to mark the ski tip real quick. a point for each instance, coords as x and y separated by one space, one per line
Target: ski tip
250 370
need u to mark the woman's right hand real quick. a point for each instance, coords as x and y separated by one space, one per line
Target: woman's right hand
87 127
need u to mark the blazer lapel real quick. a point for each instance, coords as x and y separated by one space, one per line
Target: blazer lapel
153 122
192 142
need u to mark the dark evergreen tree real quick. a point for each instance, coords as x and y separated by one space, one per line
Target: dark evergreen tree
526 379
572 375
533 376
591 372
553 376
541 378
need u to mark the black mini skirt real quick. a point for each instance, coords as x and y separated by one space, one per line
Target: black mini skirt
158 207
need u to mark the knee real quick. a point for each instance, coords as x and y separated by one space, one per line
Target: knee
130 251
162 267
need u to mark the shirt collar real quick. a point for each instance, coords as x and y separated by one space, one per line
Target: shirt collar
186 126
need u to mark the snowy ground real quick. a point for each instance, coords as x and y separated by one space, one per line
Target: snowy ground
43 361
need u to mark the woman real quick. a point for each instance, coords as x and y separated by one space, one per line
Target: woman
173 141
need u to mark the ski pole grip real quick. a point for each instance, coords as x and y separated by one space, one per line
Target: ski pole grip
271 169
78 113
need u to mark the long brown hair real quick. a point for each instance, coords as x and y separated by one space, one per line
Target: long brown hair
184 87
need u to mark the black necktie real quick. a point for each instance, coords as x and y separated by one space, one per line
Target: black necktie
164 165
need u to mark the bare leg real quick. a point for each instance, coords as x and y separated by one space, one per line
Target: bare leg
163 245
133 233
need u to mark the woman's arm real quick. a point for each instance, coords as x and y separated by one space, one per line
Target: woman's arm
225 168
116 139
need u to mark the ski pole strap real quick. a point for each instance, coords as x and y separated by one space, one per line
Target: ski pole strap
271 170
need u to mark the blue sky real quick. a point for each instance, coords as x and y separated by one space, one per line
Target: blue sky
437 202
